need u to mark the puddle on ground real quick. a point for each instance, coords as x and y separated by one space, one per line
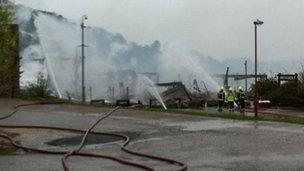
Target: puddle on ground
225 124
208 125
91 139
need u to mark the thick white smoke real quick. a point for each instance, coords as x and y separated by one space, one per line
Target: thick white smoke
58 51
32 62
60 43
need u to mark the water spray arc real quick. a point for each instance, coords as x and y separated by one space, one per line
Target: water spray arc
148 85
51 72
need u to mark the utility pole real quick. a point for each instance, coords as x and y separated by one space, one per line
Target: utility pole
246 77
84 17
226 79
256 102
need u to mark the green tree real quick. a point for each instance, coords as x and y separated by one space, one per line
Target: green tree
290 93
8 45
265 86
7 39
301 90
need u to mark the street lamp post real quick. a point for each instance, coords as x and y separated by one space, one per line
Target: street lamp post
256 24
246 77
84 17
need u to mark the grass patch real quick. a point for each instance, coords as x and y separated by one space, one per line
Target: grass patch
6 151
232 116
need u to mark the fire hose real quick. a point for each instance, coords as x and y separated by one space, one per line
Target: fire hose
77 152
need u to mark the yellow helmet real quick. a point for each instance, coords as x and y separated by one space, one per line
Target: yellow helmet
241 88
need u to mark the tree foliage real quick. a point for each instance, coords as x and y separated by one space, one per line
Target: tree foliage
9 71
7 38
37 89
290 93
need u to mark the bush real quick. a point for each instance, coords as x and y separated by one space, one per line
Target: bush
265 86
37 89
301 90
288 94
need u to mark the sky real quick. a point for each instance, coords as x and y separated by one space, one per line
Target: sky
217 28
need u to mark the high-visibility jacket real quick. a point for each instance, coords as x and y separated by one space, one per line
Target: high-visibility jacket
230 98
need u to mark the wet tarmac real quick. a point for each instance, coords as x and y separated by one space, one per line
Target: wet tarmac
201 142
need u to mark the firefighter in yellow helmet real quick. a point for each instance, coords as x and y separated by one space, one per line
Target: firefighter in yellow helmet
221 99
241 99
230 99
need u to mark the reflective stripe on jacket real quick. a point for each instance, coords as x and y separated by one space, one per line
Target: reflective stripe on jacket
241 95
221 95
230 98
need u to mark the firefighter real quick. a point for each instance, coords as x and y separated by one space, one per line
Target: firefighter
230 99
221 99
241 99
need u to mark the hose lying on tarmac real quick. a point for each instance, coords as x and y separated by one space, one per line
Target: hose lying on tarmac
17 145
183 167
81 145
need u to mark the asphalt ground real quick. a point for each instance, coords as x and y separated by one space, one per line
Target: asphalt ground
201 142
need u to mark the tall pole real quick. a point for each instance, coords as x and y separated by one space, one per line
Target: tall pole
83 60
256 103
246 77
255 72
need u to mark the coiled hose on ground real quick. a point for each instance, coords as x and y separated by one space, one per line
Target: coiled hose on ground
77 152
